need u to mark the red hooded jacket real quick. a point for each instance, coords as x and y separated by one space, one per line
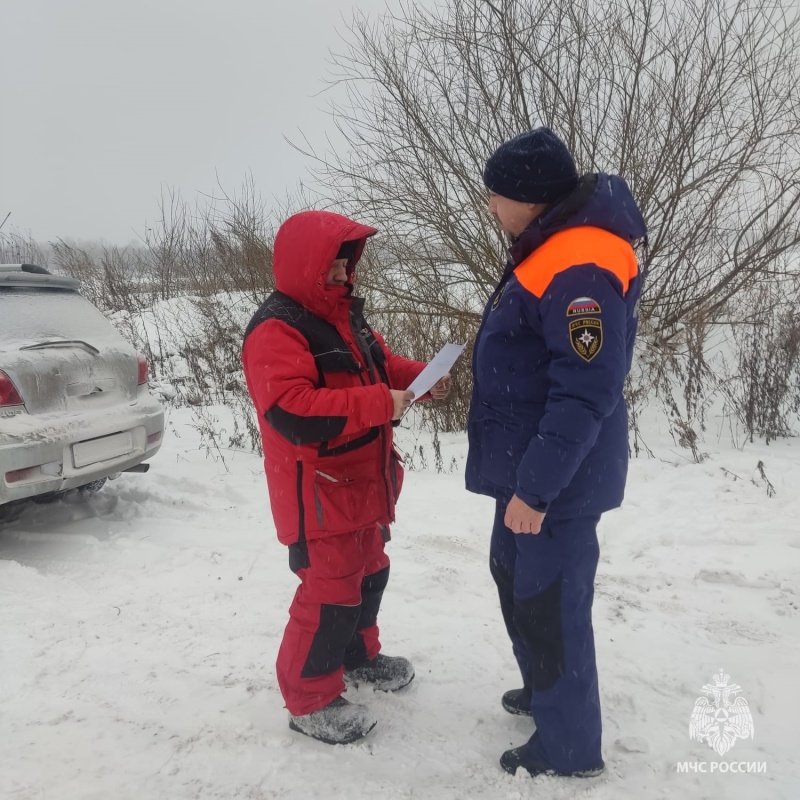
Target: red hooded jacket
319 378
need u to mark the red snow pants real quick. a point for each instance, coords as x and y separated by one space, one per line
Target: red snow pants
333 618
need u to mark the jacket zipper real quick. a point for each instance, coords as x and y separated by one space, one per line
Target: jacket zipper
364 350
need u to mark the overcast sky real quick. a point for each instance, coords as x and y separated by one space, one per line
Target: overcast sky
104 103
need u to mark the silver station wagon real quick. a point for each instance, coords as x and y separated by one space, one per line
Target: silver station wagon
75 407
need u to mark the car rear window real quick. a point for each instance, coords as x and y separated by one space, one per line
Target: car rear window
31 316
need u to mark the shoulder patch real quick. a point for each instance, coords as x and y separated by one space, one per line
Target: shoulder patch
583 305
586 337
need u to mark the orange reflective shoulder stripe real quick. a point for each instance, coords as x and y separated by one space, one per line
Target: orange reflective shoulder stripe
573 247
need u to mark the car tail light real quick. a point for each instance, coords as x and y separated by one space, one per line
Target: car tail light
9 396
17 475
143 369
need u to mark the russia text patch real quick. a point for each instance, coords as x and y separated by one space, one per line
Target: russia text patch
586 337
583 305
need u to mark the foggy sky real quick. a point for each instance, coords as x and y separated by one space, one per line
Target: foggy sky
105 103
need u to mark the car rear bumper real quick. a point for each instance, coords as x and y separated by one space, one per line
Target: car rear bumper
38 453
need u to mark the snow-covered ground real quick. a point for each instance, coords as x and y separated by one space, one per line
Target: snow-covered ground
140 630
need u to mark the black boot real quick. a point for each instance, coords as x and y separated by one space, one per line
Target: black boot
518 702
384 673
340 722
512 760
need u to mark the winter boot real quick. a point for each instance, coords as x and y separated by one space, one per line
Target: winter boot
512 760
340 722
383 673
518 702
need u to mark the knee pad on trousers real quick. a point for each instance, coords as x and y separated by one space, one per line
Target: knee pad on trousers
538 620
337 624
372 588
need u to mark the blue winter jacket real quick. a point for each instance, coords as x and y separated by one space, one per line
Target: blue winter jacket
548 420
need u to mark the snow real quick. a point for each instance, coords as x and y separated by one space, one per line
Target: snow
140 630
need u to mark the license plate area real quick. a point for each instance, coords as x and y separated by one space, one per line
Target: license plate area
94 451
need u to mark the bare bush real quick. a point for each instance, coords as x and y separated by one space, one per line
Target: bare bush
213 355
16 248
676 375
221 244
765 389
112 277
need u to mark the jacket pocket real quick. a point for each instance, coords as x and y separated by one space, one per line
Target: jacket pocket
321 478
344 503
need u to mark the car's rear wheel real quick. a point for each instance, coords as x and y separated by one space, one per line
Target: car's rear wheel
10 511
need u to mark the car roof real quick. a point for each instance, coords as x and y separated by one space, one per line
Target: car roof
31 276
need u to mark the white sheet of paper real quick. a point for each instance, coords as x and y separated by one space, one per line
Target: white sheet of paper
437 368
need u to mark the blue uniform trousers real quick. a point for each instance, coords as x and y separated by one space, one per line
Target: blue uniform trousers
546 587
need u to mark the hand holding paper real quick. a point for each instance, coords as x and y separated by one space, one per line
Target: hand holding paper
436 369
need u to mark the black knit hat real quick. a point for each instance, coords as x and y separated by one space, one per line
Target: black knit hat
534 167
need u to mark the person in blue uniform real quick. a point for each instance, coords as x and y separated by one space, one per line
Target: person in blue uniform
547 428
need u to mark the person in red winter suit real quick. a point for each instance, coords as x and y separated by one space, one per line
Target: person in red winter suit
326 389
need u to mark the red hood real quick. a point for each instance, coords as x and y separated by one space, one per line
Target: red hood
304 250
